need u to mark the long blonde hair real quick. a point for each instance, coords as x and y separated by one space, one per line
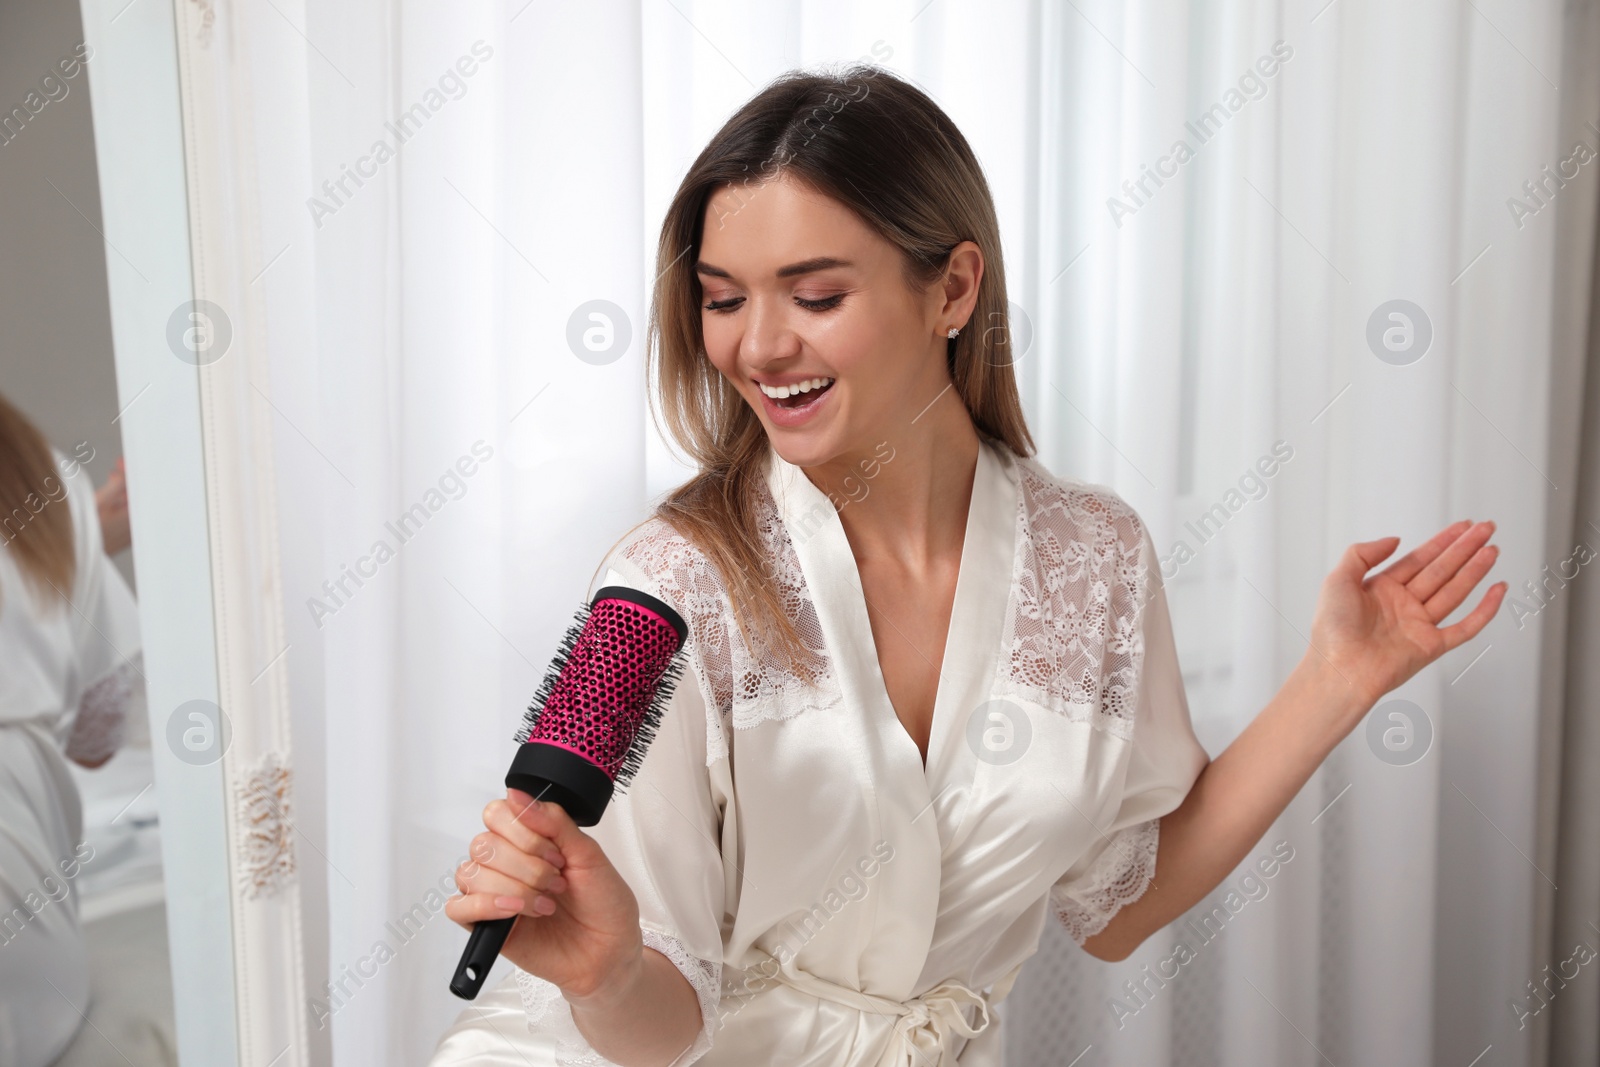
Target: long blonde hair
884 149
35 521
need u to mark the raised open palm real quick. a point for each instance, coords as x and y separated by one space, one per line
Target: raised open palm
1379 630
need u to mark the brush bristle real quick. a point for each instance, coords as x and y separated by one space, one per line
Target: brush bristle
552 675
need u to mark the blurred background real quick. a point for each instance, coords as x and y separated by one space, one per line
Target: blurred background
56 367
1347 242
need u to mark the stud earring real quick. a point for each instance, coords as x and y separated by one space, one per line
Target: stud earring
953 331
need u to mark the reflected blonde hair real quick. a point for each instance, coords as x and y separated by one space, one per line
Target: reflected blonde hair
882 148
35 520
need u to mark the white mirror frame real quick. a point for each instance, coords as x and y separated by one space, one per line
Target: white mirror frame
205 528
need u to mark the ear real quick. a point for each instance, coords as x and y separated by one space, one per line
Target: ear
963 273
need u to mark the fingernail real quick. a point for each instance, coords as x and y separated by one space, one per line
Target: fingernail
544 905
558 885
555 859
508 903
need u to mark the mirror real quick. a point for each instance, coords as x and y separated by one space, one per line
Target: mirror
139 965
85 977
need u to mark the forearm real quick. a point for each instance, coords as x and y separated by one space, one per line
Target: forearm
648 1022
1235 799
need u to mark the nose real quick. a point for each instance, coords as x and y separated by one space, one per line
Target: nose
769 338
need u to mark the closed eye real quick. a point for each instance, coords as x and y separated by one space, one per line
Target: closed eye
825 304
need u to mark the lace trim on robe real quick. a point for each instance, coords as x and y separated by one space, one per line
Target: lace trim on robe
1118 877
101 723
549 1013
743 687
1073 641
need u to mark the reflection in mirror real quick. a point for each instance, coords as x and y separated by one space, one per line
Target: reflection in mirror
84 973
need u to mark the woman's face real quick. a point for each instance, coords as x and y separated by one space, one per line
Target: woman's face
796 288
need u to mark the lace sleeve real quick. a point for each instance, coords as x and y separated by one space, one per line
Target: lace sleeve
549 1014
1116 878
101 722
1114 660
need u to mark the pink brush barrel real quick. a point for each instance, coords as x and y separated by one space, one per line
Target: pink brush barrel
596 713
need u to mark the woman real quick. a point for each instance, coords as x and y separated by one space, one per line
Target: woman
69 651
935 698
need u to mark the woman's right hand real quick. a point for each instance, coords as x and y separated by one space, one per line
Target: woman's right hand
577 920
111 501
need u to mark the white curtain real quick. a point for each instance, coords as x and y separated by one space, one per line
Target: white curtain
1229 314
419 310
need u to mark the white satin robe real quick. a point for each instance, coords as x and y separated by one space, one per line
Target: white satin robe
833 901
69 675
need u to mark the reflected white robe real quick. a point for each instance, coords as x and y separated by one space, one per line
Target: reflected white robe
831 900
68 677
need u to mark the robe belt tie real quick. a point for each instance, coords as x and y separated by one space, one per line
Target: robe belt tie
925 1024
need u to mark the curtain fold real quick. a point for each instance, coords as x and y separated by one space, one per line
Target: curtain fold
471 205
1569 768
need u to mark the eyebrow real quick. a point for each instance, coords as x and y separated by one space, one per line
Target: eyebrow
805 266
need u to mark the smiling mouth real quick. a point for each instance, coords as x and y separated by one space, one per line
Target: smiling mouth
797 399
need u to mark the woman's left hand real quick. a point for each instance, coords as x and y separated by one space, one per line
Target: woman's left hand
1378 631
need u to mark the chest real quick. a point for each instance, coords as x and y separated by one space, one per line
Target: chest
910 617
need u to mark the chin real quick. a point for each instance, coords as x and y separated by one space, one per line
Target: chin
814 449
802 450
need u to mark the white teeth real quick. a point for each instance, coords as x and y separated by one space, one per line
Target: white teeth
779 392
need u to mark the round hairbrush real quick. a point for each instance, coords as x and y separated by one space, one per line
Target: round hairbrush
587 728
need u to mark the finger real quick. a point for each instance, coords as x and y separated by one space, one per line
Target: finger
500 816
1432 578
1406 567
551 821
1468 628
476 908
1441 604
497 854
1362 556
498 884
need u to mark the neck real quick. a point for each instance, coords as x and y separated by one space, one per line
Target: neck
905 495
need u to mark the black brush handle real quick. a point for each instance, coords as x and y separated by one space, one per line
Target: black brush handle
483 948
